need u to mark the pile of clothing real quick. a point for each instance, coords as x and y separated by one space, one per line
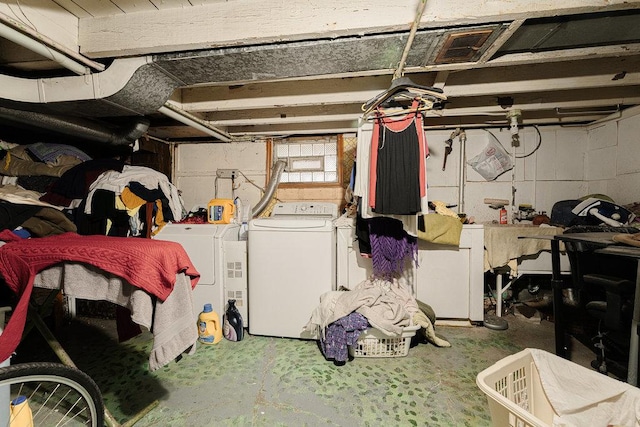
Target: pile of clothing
383 304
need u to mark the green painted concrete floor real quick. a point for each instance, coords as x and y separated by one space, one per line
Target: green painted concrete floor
264 381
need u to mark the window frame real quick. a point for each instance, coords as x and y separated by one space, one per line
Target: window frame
339 160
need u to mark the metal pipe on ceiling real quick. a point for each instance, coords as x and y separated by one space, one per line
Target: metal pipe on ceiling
42 45
189 119
26 42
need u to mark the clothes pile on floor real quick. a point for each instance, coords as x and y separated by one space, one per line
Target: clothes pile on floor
382 304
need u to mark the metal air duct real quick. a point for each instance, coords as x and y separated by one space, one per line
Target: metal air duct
79 127
276 173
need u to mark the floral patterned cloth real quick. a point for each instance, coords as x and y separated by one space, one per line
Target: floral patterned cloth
341 334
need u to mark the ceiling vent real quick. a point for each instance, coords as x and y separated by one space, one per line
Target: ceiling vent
463 46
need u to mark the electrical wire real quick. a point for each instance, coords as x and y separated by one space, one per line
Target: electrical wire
537 146
251 182
255 185
526 155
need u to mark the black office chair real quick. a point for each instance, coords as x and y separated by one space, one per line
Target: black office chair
604 287
614 313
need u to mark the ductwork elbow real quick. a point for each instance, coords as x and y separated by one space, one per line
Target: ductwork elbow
276 173
127 136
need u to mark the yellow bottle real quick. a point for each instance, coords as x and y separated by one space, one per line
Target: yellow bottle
20 413
220 211
209 328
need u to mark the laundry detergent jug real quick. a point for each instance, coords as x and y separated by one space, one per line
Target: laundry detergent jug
233 327
21 415
209 328
220 211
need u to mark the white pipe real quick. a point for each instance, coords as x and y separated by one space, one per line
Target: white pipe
463 166
513 186
190 120
534 200
39 48
38 38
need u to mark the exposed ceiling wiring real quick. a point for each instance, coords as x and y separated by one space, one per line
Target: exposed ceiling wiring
537 146
532 151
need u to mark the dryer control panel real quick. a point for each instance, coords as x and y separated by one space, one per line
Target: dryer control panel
306 209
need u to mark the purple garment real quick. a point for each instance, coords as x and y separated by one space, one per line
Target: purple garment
390 247
342 333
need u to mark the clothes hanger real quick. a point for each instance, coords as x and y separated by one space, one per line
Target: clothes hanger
402 103
404 84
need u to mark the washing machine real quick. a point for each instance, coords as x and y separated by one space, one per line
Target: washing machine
220 258
291 261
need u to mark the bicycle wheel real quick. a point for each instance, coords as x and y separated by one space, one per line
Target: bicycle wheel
56 394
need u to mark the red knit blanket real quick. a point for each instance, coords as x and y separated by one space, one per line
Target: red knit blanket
148 264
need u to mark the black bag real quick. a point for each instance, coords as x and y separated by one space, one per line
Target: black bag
562 216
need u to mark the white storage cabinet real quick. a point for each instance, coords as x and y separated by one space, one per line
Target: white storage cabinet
450 279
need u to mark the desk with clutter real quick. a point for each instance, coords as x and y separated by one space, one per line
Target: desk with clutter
524 246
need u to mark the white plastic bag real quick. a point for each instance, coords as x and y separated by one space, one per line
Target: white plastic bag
492 162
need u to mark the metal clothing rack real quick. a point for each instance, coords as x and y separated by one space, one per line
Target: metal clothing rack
36 320
403 86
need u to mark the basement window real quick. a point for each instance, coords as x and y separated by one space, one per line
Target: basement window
309 160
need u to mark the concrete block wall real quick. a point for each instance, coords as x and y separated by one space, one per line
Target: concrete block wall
195 169
570 162
552 172
613 157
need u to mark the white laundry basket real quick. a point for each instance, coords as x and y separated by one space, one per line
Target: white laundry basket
375 343
572 394
515 393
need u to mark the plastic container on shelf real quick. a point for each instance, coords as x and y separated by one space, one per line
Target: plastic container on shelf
375 343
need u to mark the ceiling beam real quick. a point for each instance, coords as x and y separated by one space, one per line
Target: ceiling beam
46 18
492 110
501 40
482 82
246 22
293 93
542 84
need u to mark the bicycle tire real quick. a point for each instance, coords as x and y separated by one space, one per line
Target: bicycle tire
57 394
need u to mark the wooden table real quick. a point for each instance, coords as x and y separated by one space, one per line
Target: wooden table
507 245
